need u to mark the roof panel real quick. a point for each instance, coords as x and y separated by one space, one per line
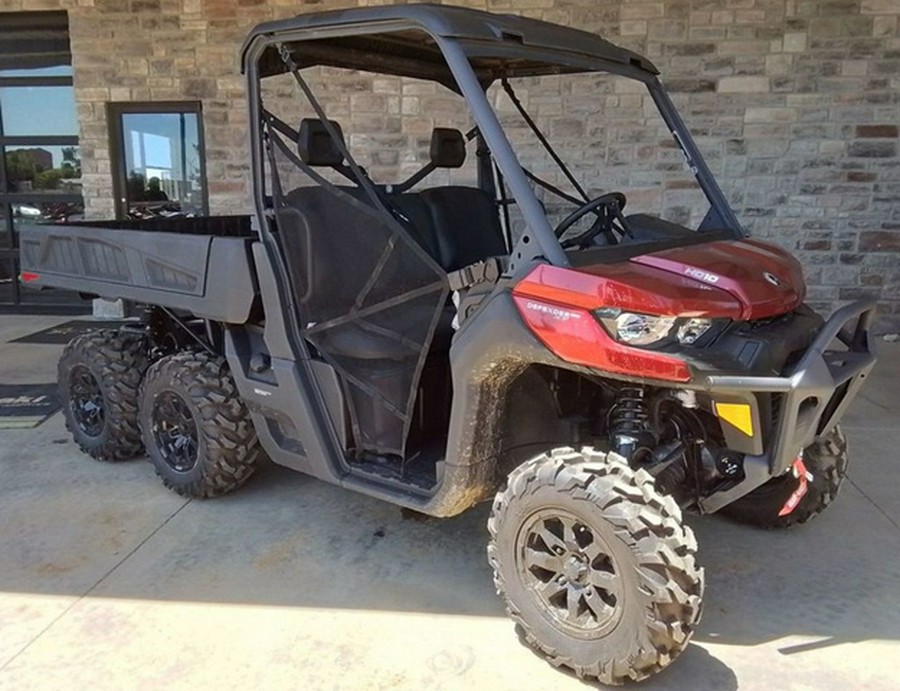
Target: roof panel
384 48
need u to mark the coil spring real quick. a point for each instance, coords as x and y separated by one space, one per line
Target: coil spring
629 414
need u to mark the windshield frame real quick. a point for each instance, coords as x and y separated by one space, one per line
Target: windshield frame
720 215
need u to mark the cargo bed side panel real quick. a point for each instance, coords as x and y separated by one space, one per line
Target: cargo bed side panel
209 276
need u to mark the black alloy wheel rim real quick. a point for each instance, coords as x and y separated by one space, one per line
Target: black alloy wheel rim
86 401
571 571
175 431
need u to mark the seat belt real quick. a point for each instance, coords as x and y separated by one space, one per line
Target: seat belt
485 271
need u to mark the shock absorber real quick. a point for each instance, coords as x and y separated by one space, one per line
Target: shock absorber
630 435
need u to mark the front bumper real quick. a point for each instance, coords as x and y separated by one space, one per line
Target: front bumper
812 398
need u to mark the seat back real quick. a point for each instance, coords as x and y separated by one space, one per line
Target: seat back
464 221
466 225
416 219
457 226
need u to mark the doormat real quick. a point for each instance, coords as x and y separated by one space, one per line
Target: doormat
23 406
63 333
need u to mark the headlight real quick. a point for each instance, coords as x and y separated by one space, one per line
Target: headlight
634 328
692 329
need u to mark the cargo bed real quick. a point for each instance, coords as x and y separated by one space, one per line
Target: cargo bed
202 265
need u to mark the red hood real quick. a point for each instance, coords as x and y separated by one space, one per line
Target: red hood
764 279
741 279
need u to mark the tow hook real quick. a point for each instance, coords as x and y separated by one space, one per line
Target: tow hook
799 471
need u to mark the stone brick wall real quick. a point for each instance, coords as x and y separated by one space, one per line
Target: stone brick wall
795 103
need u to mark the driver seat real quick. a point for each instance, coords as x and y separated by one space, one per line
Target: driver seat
466 220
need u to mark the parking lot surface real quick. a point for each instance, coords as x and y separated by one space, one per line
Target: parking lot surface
108 580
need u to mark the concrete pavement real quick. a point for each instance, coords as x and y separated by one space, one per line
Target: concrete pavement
107 580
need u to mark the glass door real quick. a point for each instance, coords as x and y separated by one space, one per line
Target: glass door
159 159
40 163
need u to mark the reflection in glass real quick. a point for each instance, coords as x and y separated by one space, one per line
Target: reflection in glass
7 278
162 162
38 111
44 168
5 237
46 212
54 71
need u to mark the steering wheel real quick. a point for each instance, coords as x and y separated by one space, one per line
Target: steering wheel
610 220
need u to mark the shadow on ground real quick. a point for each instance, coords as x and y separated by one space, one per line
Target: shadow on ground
288 540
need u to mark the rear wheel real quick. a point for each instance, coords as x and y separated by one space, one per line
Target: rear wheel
826 461
196 429
595 565
99 378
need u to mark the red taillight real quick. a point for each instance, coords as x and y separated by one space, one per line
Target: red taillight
28 276
576 336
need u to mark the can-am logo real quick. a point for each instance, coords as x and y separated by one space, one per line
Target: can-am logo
551 311
701 275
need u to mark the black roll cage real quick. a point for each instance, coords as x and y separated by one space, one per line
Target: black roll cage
467 51
353 172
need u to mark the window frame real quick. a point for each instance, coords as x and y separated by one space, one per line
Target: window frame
114 112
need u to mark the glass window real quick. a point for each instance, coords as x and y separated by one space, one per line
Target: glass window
54 71
40 162
38 111
161 162
46 212
43 168
5 236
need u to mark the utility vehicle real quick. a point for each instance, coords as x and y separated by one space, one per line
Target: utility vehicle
441 345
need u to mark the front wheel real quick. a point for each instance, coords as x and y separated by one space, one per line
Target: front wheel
769 506
197 430
595 565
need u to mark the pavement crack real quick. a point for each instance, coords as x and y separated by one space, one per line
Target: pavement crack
875 403
874 503
100 580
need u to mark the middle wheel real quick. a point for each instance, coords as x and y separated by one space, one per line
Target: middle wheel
195 427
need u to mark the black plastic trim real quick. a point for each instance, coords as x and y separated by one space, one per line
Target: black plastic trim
815 395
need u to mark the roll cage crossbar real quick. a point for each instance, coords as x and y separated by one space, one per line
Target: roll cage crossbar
351 169
507 87
359 175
